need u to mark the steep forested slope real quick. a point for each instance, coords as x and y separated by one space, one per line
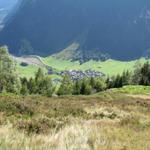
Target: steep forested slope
120 28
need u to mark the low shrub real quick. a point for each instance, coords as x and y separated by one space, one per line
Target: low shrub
39 126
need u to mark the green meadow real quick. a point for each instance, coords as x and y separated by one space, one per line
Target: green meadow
109 67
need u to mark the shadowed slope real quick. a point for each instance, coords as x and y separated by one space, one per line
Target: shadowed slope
119 28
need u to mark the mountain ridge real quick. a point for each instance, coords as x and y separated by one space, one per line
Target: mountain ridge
7 9
118 28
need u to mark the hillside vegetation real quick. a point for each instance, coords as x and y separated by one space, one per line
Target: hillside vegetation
109 67
113 120
38 113
41 83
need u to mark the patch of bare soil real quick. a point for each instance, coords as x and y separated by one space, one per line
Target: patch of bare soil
31 60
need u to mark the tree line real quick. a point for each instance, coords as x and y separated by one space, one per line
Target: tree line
42 84
11 83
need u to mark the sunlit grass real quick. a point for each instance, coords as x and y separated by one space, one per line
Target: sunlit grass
109 67
111 120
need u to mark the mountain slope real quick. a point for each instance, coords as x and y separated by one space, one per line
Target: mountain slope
6 6
115 27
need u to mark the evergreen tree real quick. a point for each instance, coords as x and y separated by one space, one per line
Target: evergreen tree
109 82
100 85
86 88
118 82
24 90
9 81
77 87
39 77
47 87
24 86
93 82
126 78
137 74
66 86
32 86
145 74
142 75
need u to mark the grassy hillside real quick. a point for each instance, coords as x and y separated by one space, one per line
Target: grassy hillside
112 120
109 67
27 71
136 90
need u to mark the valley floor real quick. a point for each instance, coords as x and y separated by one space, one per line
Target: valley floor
109 67
117 119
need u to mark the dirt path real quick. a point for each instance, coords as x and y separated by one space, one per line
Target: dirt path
31 60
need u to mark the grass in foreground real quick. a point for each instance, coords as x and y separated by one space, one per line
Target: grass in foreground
112 120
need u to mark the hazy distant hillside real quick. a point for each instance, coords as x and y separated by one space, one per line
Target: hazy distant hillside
120 28
7 3
6 7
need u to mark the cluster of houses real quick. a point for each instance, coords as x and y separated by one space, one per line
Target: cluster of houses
78 74
75 74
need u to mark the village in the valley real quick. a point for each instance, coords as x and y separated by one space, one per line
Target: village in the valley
78 74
